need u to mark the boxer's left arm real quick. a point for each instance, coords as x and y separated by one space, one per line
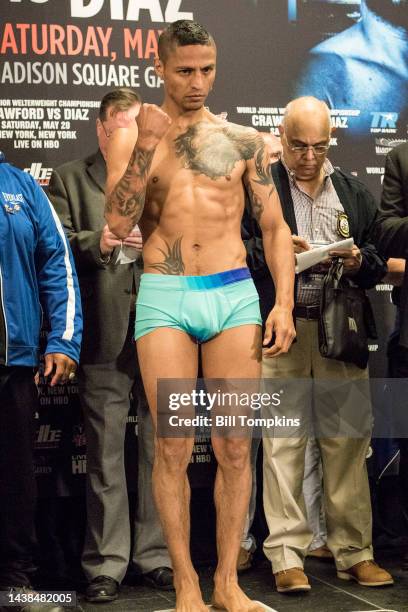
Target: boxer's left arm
278 248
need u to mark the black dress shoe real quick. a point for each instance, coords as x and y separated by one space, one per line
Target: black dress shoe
101 589
160 578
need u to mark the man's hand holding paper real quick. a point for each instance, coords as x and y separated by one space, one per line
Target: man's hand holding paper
351 258
308 258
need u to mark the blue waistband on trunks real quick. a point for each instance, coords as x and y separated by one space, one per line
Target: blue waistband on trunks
200 283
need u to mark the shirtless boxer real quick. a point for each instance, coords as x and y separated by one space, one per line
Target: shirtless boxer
183 185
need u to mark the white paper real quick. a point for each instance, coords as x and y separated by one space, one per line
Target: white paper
307 259
127 254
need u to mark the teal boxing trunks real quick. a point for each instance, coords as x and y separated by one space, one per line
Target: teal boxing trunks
201 306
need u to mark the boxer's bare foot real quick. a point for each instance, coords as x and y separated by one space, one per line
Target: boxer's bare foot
230 597
188 596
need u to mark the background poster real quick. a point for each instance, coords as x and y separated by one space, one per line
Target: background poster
59 57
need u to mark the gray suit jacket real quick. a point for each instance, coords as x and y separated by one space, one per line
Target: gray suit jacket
77 192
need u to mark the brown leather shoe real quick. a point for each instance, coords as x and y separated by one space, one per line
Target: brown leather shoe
367 573
291 580
322 552
244 560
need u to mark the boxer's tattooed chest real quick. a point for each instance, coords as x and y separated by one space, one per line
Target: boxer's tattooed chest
214 151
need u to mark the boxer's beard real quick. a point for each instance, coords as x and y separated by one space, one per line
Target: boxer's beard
394 11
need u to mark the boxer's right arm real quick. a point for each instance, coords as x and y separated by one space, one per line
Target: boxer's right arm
125 193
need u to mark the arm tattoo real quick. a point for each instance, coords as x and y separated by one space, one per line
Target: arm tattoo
128 196
257 205
253 147
263 172
173 261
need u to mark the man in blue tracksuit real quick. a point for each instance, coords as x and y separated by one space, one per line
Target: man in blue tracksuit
37 276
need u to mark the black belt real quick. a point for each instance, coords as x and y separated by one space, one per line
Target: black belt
307 312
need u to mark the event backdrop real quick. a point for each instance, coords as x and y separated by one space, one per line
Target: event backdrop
59 57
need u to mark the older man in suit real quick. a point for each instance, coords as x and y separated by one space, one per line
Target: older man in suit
108 370
392 240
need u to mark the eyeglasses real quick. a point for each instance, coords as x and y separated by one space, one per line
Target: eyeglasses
318 150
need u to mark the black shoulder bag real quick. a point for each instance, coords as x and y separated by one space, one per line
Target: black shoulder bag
346 318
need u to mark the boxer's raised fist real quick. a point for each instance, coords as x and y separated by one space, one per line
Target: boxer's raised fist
153 123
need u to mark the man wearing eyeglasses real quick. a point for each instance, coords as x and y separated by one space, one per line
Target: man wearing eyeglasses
109 274
321 205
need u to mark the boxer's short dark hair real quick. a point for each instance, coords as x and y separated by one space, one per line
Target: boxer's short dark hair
182 33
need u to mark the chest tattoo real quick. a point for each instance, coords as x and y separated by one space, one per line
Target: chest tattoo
213 150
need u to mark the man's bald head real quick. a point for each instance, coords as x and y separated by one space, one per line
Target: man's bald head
307 111
305 134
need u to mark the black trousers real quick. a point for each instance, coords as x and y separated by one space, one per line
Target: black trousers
18 402
398 368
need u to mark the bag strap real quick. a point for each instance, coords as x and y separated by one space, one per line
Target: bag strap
335 273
